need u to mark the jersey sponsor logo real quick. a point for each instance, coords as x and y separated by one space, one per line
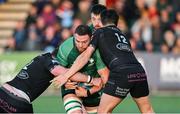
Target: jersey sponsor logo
121 91
23 75
123 47
122 43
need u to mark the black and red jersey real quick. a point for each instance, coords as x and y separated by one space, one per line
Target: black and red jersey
34 78
114 47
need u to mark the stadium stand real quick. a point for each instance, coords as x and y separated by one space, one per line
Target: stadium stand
12 11
146 23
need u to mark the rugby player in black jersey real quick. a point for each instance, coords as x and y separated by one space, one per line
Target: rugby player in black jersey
17 95
126 73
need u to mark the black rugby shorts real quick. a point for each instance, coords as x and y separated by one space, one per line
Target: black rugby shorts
120 84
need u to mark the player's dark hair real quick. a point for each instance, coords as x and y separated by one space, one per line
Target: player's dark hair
97 9
83 30
109 17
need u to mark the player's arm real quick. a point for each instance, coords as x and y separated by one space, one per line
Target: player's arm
81 60
78 77
58 69
95 88
104 73
102 70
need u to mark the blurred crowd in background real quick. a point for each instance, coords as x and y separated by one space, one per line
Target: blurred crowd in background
150 25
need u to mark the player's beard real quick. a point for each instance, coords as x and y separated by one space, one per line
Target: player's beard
81 50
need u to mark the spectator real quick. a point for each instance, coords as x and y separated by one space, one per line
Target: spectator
157 37
40 4
50 40
57 28
133 44
123 26
149 47
83 13
161 4
142 31
65 33
164 48
176 48
40 26
119 6
76 22
19 35
11 44
65 13
164 20
2 1
176 24
32 16
56 3
32 42
169 39
48 14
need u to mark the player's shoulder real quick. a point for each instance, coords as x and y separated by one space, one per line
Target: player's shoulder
113 28
98 31
42 57
96 52
66 46
67 43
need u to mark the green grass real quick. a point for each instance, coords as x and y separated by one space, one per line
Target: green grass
21 58
53 104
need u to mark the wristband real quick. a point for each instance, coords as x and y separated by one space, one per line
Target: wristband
88 93
89 79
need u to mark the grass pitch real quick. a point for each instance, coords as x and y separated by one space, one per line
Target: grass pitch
54 104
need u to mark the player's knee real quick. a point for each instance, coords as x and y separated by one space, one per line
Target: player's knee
147 110
144 104
104 110
73 106
91 110
78 111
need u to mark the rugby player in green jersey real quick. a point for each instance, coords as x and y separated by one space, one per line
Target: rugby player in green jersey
87 95
81 97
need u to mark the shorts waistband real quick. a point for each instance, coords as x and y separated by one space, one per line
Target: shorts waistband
13 95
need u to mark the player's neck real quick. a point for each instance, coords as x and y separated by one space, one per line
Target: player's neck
109 24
